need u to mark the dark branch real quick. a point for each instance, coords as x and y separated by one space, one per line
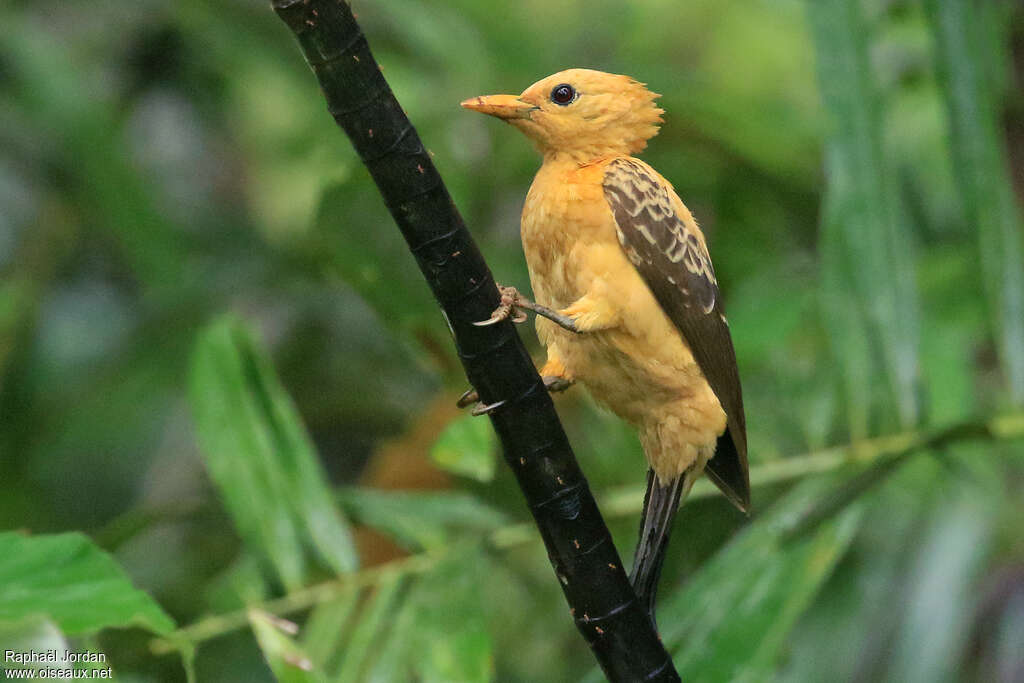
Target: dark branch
579 545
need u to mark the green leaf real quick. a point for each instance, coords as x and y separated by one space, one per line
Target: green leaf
847 325
325 627
286 658
261 458
427 627
452 642
420 520
439 633
67 579
241 584
730 621
399 651
949 562
963 47
370 630
854 607
466 447
875 264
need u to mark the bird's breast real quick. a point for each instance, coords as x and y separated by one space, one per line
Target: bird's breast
564 212
640 364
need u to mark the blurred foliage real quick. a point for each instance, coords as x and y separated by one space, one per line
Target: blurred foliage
60 571
219 363
257 450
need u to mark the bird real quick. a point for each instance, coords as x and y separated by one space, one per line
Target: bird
627 299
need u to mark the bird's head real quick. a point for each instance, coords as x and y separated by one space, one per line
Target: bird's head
579 113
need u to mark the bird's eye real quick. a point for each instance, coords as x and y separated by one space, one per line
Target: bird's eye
563 94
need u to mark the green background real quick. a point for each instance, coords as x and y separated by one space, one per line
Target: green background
219 362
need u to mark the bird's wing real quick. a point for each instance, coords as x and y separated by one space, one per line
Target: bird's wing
666 247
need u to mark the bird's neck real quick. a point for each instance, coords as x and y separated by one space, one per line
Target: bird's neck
582 156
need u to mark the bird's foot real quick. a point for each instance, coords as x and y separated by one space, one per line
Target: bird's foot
511 302
481 409
469 397
512 305
556 384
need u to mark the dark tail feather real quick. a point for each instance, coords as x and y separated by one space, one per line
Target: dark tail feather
660 505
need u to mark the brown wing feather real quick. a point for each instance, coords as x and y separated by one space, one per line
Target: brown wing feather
671 257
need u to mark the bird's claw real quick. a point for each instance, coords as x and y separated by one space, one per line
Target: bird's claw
555 384
552 383
468 398
481 409
513 306
509 308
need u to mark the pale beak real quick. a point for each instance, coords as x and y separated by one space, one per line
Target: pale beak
505 107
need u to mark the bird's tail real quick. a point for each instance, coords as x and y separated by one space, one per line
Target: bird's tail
660 506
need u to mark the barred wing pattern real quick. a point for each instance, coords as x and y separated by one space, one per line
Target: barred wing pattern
674 263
